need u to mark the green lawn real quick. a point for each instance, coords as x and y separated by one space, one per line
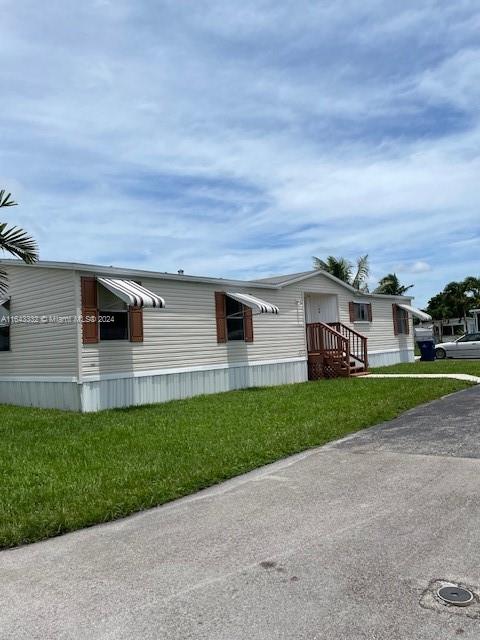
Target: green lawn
61 471
438 366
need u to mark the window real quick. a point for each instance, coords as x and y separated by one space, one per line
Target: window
112 316
470 337
235 319
360 312
400 320
5 326
113 325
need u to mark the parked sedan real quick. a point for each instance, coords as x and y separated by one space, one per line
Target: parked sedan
468 346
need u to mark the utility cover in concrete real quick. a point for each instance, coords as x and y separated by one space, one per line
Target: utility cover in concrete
456 595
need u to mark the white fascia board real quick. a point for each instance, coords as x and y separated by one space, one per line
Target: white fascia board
159 275
345 285
138 273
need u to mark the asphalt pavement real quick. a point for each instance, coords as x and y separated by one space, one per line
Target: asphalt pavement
347 541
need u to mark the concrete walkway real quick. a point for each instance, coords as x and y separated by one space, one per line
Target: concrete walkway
345 542
454 376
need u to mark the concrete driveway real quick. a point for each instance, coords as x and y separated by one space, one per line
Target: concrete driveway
339 542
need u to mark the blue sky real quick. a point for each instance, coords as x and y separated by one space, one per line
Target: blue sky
240 139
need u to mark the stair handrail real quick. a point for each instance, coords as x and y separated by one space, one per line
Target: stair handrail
363 355
328 327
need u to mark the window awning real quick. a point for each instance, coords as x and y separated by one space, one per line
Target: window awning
132 293
421 315
258 305
4 301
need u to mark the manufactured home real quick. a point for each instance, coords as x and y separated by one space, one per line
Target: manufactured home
87 337
452 328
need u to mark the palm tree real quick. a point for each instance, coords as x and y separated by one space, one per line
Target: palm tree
390 285
458 300
361 276
14 241
338 267
342 269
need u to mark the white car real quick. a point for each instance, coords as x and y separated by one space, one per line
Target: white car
468 346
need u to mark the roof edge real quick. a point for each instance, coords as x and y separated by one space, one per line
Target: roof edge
164 275
125 271
356 292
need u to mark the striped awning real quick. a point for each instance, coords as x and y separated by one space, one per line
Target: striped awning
132 293
421 315
258 305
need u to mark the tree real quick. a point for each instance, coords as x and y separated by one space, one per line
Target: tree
361 276
342 269
390 285
438 308
456 299
15 241
472 287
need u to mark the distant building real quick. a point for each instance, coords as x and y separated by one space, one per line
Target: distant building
451 328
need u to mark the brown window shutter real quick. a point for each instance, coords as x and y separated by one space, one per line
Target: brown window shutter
369 311
395 319
248 324
89 310
220 316
135 324
351 309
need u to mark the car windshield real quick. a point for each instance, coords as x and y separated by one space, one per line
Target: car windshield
470 337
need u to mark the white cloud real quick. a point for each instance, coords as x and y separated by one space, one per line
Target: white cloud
420 267
243 138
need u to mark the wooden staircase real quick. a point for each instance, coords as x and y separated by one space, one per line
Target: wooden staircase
335 350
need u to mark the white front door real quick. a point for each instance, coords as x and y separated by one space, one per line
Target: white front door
321 307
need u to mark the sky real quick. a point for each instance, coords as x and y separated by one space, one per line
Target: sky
239 139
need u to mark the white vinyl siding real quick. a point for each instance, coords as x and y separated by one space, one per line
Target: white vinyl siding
380 331
184 333
45 349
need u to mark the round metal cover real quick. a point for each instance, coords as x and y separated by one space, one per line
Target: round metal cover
456 595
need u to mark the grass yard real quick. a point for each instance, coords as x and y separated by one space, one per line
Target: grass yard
62 471
437 366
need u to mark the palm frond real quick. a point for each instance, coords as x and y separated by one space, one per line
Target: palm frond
404 289
338 267
363 270
3 282
390 285
6 199
319 264
17 242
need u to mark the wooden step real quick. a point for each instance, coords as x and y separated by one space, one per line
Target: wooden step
357 367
